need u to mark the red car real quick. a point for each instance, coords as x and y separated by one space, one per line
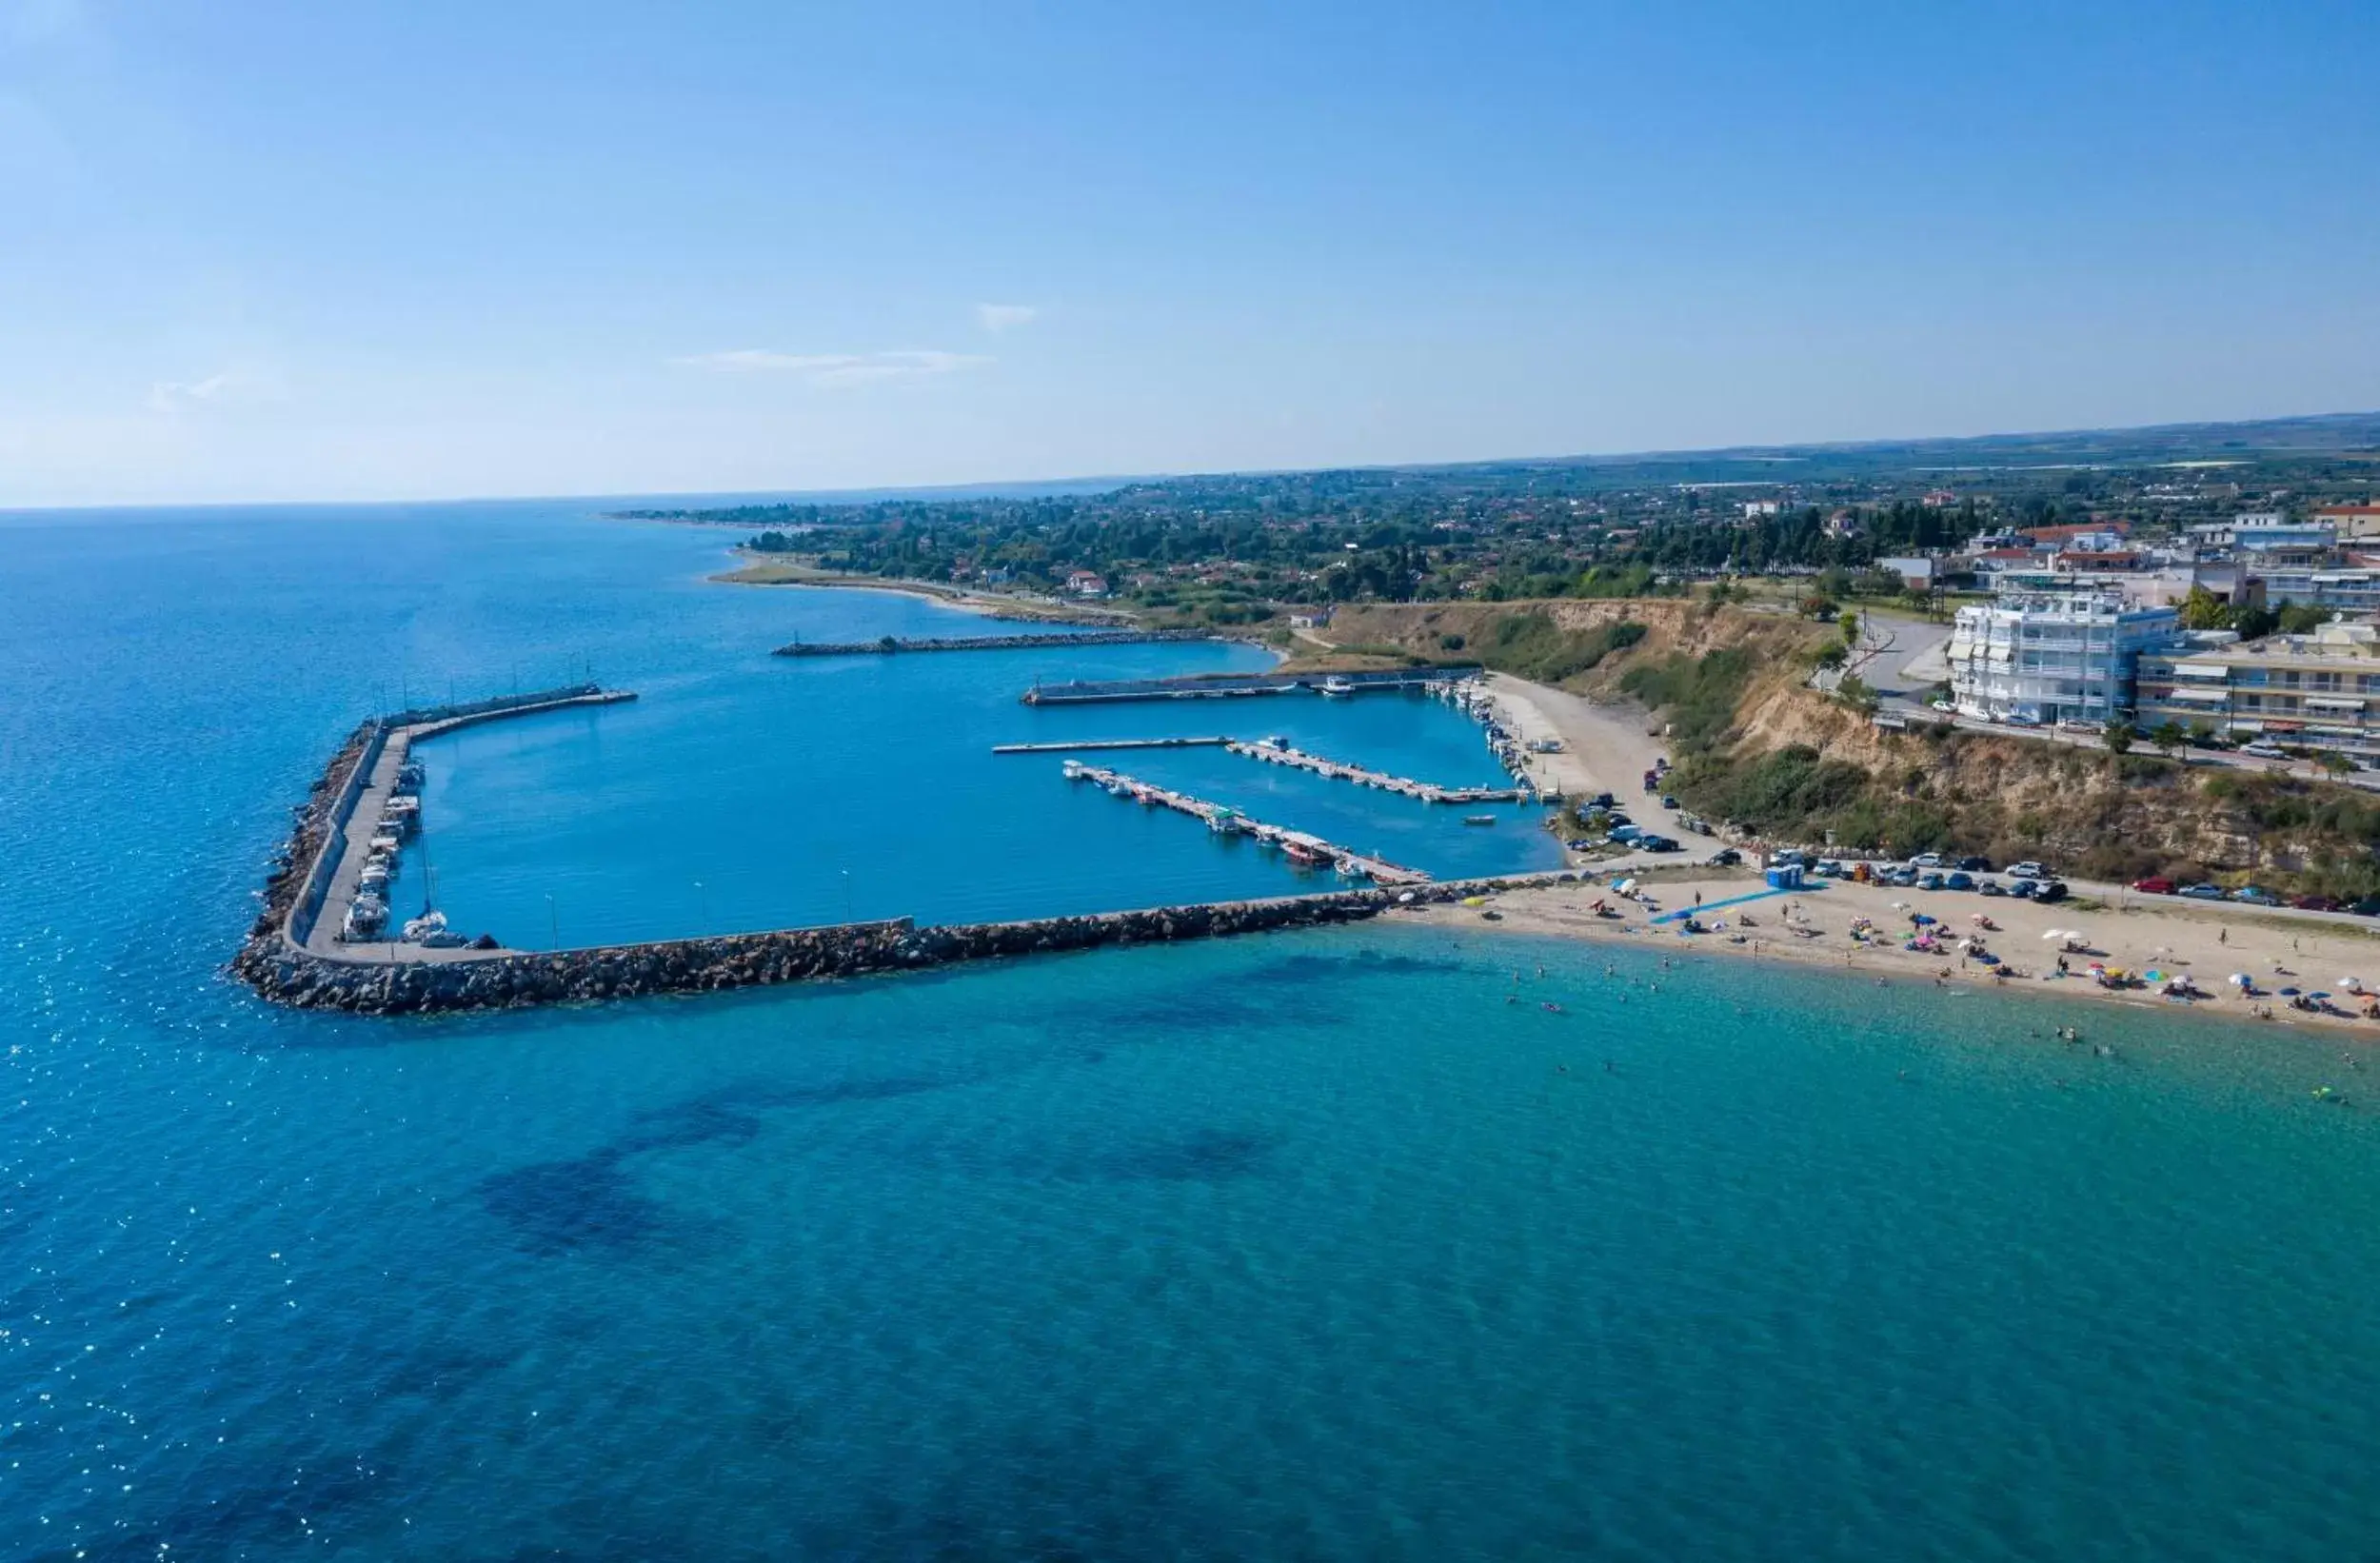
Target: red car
2316 903
2153 885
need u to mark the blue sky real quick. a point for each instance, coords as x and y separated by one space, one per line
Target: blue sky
299 250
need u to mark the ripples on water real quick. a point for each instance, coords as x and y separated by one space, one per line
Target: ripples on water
1303 1246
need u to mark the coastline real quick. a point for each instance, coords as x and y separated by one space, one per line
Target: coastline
2176 940
989 604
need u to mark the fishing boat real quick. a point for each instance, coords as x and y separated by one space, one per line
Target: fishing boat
366 915
1336 687
421 930
1304 855
1479 818
1350 869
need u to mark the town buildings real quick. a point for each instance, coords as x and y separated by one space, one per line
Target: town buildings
2319 691
2053 657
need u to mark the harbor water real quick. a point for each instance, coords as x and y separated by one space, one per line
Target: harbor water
1386 1242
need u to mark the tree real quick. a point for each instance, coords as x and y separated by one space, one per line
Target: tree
1849 623
2118 734
1834 654
1854 692
2254 624
2201 610
2334 763
1818 606
2168 738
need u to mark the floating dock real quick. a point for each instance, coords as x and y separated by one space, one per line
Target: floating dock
1240 685
1085 745
1428 792
1224 820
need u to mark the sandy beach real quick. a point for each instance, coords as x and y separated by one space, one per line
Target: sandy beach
1607 748
1814 928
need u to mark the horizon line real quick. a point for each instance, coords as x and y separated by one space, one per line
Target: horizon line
1095 481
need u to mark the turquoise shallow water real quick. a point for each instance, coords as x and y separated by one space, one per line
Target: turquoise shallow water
1309 1246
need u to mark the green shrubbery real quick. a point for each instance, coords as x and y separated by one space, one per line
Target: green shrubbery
1531 645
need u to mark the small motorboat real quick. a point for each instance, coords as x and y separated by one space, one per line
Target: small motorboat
1479 818
421 930
1336 687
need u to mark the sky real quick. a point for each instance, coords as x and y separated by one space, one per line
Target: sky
265 251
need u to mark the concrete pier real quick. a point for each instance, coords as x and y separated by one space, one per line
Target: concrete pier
1230 821
1281 754
1237 686
886 645
314 919
1087 744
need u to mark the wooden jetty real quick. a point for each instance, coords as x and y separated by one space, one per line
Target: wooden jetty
1225 820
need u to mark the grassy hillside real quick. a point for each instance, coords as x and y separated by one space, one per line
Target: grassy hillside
1758 747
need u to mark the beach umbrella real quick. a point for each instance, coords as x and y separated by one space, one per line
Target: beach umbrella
1920 920
2317 996
2352 984
2053 933
2289 993
2239 980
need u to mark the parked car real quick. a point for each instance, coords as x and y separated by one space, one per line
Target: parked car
1902 877
2315 903
1789 859
2255 894
2262 751
1601 800
1669 800
2369 906
1726 857
1928 882
2025 889
2156 885
1991 887
2018 719
1958 881
1658 843
2027 871
1829 869
1926 860
1582 844
2050 890
1944 706
1976 865
2200 892
1626 833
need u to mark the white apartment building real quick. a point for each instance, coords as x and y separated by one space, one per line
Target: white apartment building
2052 658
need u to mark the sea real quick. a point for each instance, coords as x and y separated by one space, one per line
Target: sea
1397 1242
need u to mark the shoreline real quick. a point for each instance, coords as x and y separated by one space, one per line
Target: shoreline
2205 949
987 605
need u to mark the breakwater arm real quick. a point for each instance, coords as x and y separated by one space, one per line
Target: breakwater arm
886 645
287 975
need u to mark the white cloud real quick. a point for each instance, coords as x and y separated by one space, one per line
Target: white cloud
835 369
174 395
997 318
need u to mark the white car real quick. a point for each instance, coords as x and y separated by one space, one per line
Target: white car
2027 871
2262 751
1944 706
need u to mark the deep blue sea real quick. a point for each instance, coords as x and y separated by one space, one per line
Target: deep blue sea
1309 1246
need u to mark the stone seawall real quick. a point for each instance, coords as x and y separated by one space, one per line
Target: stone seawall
890 644
287 974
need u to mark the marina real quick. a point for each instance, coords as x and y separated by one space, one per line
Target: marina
1306 850
1279 751
343 901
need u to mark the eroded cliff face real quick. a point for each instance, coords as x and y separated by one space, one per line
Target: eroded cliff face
2006 796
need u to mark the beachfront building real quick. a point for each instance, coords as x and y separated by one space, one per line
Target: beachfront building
2320 690
2057 656
2342 591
